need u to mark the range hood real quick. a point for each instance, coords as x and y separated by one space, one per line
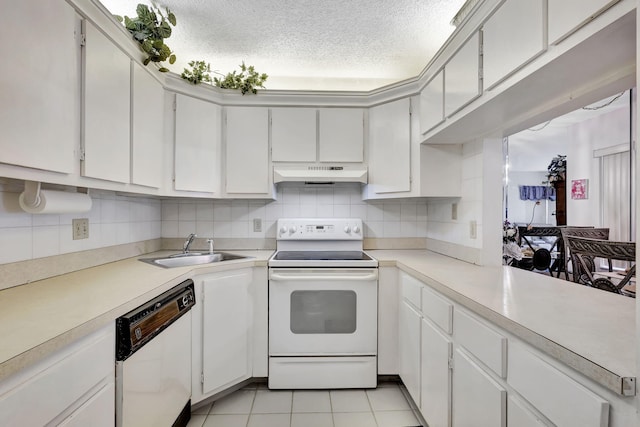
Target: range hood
320 174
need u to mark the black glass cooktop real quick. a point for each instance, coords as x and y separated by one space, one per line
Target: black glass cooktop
321 256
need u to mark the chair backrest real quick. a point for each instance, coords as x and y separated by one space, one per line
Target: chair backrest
608 249
548 231
589 232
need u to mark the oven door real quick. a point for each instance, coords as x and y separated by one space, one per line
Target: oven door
323 311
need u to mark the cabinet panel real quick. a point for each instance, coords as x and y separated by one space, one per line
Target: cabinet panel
293 134
146 119
107 102
483 342
432 103
247 150
545 387
437 349
409 339
461 76
511 37
565 16
390 147
197 145
40 118
411 289
96 412
437 309
518 415
226 330
477 399
341 135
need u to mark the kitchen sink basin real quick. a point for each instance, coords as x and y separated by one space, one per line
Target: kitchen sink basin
191 258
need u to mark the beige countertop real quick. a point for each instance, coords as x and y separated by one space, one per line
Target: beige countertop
589 330
41 317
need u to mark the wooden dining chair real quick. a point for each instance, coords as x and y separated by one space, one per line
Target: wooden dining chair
584 248
542 259
589 232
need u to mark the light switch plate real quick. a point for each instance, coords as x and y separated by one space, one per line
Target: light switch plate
473 229
257 225
80 228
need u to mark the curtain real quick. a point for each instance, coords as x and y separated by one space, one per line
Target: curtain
616 191
537 192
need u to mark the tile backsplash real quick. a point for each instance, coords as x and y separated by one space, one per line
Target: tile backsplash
113 220
235 218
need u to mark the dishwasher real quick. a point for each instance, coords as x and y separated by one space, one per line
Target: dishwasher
153 361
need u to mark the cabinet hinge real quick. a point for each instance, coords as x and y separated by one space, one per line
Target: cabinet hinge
202 378
83 39
450 364
82 154
175 104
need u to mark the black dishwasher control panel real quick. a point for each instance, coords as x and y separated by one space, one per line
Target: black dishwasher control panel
139 326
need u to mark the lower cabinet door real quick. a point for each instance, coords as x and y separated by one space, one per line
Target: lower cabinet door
409 334
435 403
226 330
97 411
477 399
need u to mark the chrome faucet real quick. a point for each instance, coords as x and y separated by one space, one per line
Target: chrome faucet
188 242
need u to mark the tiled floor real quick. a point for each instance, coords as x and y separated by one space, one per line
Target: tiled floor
257 406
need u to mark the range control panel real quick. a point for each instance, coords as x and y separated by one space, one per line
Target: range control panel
320 229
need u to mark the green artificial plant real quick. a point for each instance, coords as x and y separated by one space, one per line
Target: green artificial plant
199 72
247 80
150 28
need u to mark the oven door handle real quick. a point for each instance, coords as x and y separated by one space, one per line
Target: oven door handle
328 278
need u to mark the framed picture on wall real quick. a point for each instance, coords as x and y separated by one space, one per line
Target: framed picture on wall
579 189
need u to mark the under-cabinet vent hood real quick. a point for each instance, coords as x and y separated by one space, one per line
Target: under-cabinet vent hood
320 174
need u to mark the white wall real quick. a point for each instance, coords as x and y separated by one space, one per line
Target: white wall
234 219
520 211
113 220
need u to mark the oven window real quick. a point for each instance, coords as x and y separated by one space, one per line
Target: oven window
323 312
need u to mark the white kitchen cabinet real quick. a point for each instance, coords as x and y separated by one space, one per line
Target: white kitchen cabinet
40 118
477 399
519 415
197 145
432 103
409 349
341 135
222 332
437 351
511 37
147 130
390 147
247 152
566 16
462 76
441 170
73 384
106 112
388 295
293 134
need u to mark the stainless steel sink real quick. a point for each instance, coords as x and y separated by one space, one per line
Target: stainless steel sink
191 258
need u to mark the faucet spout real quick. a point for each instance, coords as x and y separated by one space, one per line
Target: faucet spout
188 242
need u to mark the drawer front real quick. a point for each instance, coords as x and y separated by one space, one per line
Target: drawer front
79 368
561 399
437 309
483 342
411 289
518 415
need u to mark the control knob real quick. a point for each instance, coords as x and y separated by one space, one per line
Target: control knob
292 229
283 229
356 229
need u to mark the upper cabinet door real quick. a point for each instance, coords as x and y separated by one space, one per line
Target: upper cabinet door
293 134
390 147
247 150
147 136
432 103
341 135
462 76
566 16
511 37
40 84
197 146
107 101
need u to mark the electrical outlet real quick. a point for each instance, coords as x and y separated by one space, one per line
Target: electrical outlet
257 225
80 228
473 229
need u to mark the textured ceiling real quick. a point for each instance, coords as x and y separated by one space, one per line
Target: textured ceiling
309 44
